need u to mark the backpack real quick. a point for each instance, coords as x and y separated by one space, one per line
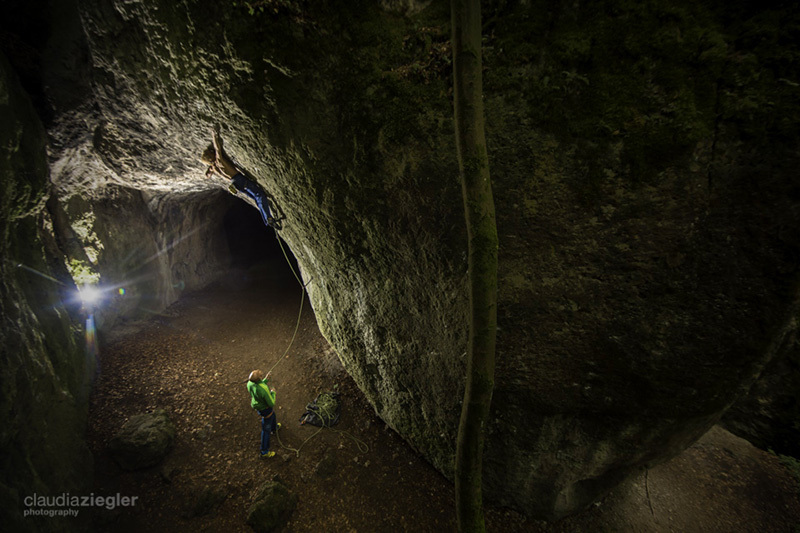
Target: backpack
323 411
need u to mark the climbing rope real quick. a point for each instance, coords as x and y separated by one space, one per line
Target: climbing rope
325 401
295 450
296 327
302 301
296 276
326 406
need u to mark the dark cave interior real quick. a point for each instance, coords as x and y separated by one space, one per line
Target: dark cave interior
249 240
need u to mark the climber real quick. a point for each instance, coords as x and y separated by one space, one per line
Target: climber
220 163
262 399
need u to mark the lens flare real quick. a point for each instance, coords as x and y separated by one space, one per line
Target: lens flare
90 295
121 291
91 337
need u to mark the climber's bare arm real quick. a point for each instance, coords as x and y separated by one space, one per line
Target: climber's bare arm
223 163
217 159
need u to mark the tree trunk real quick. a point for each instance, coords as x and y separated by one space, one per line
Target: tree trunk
482 234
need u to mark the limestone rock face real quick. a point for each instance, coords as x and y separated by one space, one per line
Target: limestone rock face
769 415
149 248
144 440
643 161
44 371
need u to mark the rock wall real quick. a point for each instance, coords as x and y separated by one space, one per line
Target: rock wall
147 248
61 209
649 265
362 202
642 160
44 370
769 415
642 157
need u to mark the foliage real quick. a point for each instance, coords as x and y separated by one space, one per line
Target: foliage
82 273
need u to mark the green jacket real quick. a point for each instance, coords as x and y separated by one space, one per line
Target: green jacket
260 395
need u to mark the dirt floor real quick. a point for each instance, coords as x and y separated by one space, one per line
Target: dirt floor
193 360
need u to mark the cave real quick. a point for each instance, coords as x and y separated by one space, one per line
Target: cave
249 241
643 162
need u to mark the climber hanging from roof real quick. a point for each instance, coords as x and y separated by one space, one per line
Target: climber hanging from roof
220 163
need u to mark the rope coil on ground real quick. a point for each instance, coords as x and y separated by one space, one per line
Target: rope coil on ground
326 406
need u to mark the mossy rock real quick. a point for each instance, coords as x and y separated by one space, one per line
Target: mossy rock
272 508
642 155
143 441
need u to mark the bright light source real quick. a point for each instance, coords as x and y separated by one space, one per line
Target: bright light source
90 295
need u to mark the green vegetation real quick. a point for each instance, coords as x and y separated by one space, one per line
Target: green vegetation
82 273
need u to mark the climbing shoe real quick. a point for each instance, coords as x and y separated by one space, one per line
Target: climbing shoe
267 455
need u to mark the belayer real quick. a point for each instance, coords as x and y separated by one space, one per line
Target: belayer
218 162
262 399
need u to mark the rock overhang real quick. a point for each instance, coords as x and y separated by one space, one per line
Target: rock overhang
637 283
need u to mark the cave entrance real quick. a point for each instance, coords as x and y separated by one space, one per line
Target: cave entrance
252 245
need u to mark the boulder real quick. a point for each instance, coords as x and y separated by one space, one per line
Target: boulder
643 159
769 415
272 507
143 441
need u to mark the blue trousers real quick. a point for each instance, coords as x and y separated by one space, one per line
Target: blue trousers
254 191
269 423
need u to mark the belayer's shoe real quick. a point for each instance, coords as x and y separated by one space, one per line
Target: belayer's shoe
267 455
